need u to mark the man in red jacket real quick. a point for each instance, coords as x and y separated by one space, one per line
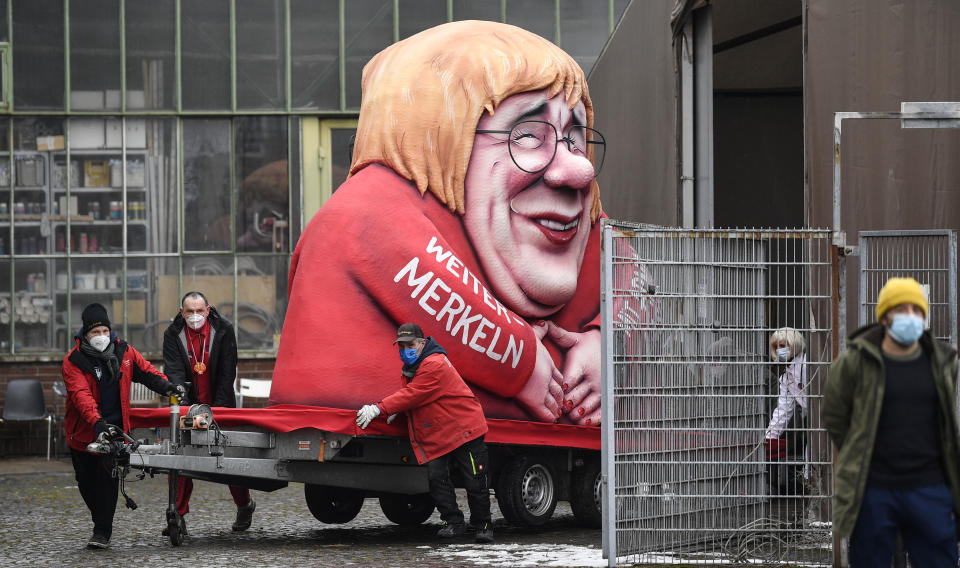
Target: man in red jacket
442 412
98 372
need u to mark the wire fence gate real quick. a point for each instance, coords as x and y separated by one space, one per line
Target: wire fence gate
694 388
930 256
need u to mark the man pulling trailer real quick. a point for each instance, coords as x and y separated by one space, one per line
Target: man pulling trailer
446 426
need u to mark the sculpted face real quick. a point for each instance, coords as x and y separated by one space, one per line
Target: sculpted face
529 230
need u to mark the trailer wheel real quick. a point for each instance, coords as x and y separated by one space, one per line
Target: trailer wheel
586 495
334 505
526 492
407 510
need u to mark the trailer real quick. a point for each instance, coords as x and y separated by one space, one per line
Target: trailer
532 465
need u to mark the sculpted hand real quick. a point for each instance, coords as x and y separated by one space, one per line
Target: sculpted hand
581 373
542 395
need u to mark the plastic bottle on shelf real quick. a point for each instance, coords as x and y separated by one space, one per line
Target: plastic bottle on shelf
92 242
40 283
31 283
3 248
83 242
101 279
61 241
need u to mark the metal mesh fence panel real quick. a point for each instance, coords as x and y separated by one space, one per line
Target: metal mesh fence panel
929 256
713 449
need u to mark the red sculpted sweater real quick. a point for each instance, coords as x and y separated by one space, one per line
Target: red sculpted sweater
378 254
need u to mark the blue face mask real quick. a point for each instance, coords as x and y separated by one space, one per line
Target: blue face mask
906 328
409 356
783 354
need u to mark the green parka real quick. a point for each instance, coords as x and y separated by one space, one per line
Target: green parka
851 411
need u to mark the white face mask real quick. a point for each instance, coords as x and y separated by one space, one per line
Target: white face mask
100 342
783 354
195 321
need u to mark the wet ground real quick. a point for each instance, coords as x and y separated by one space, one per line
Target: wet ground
43 522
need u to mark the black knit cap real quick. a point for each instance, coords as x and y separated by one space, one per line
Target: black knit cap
94 315
408 332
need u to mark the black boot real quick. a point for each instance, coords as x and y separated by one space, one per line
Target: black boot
485 533
245 516
451 530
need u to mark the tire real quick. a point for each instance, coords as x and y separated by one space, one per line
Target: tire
407 510
586 495
333 505
526 492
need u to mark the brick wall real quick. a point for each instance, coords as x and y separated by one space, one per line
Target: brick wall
30 438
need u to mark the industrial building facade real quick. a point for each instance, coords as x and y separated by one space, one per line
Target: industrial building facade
149 148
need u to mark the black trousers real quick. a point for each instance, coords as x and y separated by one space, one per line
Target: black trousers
98 488
471 459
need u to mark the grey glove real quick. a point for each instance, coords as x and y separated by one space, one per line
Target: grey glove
178 391
367 413
111 431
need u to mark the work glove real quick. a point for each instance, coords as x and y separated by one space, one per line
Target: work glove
101 427
178 391
775 448
367 413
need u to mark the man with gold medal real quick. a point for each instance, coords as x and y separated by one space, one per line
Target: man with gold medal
200 352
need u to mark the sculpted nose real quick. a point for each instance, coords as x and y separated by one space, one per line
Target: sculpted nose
568 170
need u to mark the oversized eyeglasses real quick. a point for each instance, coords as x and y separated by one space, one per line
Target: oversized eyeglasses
533 144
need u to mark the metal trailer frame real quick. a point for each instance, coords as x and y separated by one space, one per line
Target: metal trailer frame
270 460
339 470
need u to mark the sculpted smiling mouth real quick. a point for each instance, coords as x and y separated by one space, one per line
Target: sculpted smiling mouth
555 225
551 220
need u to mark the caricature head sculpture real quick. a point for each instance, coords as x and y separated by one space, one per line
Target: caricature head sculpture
423 98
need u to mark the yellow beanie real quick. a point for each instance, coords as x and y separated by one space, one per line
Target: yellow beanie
901 291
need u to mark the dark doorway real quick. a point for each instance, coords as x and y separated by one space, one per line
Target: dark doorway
758 114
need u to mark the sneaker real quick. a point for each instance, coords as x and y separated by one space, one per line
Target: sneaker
98 541
183 528
244 516
484 534
451 530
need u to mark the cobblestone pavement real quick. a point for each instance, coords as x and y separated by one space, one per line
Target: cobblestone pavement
43 522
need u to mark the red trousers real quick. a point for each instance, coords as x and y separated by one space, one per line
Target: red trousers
241 495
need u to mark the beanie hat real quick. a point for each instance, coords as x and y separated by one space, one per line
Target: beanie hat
901 291
93 316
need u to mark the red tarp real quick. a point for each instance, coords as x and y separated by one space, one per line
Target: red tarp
289 417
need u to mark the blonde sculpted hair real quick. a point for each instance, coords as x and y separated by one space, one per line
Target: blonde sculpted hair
423 97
